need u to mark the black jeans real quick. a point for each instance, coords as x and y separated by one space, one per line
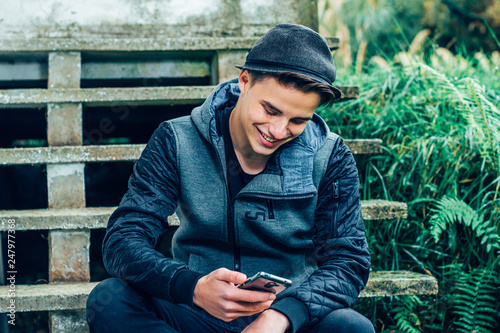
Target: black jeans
115 306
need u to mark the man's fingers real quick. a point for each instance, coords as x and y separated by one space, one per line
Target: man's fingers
254 307
250 296
225 274
233 310
247 309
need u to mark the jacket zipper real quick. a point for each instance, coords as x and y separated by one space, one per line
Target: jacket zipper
231 235
336 196
270 209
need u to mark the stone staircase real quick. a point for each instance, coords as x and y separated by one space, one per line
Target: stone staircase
72 61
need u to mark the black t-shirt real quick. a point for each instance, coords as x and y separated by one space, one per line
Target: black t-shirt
236 176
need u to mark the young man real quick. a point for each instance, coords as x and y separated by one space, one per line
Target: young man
259 184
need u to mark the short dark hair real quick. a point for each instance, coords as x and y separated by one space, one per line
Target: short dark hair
299 82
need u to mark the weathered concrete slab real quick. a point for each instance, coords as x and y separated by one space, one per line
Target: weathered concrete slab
383 210
64 124
73 321
97 217
48 297
134 44
392 283
107 96
64 70
116 153
226 60
62 219
69 256
364 146
116 96
69 259
70 154
151 18
66 185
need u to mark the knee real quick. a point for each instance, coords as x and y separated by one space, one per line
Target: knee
360 324
349 321
109 298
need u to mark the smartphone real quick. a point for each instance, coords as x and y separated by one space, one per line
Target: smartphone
263 281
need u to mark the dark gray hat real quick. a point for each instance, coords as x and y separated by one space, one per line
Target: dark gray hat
293 48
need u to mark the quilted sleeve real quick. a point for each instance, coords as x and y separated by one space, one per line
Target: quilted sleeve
133 229
341 249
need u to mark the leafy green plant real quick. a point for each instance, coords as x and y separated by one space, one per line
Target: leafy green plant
476 291
438 121
469 96
450 211
475 306
405 314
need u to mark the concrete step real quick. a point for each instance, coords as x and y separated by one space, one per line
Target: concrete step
97 217
134 44
120 153
393 283
106 96
50 297
173 95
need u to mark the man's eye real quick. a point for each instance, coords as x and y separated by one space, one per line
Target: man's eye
270 112
298 121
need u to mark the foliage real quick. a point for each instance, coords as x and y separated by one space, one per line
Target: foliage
439 121
405 316
476 301
451 211
384 27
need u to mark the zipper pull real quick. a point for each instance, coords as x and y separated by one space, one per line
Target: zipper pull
336 192
270 210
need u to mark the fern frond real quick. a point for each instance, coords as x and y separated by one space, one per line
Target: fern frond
449 211
405 317
476 304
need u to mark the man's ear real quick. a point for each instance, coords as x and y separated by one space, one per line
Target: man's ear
244 81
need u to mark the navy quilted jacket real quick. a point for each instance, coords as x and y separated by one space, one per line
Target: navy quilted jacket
300 218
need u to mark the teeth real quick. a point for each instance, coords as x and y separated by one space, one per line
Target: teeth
268 138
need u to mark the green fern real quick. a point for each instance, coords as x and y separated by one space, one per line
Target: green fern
475 306
449 211
406 314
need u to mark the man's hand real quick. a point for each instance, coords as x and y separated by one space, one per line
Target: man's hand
270 321
217 294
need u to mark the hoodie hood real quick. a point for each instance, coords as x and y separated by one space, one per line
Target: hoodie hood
292 163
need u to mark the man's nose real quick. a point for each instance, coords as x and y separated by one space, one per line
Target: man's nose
279 129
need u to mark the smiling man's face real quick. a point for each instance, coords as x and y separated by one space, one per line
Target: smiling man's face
268 115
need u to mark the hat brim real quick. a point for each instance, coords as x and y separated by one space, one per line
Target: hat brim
276 69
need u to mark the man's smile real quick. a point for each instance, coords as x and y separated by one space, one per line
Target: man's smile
267 137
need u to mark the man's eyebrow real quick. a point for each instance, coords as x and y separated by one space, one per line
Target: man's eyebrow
272 107
275 109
